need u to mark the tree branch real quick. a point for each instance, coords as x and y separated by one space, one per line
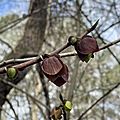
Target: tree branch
17 88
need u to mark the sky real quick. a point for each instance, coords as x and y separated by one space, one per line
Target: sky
13 6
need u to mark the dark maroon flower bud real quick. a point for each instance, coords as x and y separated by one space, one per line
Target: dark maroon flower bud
55 70
85 47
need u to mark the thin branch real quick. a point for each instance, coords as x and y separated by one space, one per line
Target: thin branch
11 106
21 66
68 44
95 103
25 62
7 113
17 88
10 26
64 114
21 60
110 44
2 41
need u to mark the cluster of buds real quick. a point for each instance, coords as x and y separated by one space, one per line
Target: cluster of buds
85 46
56 71
58 112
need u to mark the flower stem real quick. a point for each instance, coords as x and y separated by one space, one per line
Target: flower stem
60 49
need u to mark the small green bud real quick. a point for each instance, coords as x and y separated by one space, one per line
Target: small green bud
11 72
68 106
72 40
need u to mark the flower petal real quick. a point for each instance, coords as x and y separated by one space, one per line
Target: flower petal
87 45
52 65
62 77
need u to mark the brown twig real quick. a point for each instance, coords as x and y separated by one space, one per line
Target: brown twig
23 65
25 62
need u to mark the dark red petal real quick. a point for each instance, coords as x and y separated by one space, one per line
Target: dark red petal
59 81
64 73
62 77
87 45
52 65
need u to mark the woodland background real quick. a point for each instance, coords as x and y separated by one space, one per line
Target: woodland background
24 34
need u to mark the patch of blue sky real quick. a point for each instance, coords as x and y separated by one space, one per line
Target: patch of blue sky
13 6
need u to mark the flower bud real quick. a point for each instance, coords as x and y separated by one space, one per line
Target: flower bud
85 48
72 40
68 105
11 72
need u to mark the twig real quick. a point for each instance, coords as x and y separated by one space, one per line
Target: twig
17 88
25 62
23 65
2 41
109 44
11 106
7 113
21 60
101 98
64 114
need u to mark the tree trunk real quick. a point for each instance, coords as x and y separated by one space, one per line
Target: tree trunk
31 42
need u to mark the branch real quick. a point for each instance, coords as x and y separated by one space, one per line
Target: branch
110 44
101 98
90 29
17 88
23 65
11 106
7 113
25 62
2 41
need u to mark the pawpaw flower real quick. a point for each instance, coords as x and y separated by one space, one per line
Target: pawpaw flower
85 47
55 70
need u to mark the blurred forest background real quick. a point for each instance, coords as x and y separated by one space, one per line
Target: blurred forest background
31 96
